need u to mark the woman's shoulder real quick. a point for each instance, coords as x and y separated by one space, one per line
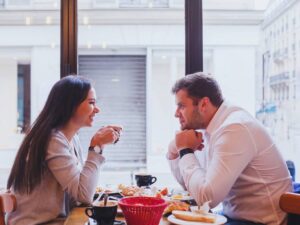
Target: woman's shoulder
58 137
58 143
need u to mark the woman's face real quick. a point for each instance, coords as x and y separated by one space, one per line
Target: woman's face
85 113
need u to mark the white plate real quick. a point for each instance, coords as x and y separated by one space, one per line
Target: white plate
219 220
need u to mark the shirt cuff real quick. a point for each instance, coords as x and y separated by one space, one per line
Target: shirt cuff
185 151
95 157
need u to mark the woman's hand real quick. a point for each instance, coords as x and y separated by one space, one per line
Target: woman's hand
106 135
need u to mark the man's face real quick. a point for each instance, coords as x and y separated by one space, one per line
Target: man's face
188 114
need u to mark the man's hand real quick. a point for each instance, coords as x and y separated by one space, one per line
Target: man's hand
189 139
185 139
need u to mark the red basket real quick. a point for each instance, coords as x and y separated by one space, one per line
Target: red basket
142 210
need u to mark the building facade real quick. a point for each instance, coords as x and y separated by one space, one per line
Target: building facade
279 93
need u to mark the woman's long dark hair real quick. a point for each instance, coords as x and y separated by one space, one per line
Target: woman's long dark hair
63 100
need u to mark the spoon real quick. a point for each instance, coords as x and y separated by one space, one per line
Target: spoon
105 199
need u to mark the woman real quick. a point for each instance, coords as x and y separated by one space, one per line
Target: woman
48 175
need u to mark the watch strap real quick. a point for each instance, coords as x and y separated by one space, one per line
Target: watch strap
92 148
185 151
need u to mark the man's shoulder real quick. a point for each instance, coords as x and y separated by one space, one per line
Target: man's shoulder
238 117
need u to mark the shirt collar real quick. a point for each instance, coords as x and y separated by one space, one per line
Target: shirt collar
223 111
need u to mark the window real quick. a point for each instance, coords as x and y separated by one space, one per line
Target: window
143 34
134 51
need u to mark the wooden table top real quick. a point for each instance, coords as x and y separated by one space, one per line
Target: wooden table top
78 217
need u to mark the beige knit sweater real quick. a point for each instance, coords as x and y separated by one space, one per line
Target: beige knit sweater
66 181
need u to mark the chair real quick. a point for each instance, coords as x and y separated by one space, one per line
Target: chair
8 203
291 167
290 203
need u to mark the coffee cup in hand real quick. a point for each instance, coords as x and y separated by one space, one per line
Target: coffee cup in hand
144 179
103 214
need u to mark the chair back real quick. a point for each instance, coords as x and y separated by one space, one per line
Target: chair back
8 203
291 167
290 203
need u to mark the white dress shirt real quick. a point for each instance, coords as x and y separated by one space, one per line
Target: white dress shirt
240 167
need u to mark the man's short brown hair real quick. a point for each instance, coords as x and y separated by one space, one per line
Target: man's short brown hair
199 85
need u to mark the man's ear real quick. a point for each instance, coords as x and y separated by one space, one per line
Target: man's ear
203 104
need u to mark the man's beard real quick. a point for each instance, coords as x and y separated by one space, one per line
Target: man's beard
196 121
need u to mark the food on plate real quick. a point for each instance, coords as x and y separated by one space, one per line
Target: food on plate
105 190
177 197
161 193
196 217
121 186
181 196
176 206
99 189
129 190
158 195
164 191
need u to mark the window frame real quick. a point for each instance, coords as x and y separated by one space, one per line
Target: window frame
193 37
68 37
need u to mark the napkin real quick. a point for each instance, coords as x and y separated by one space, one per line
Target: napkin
202 209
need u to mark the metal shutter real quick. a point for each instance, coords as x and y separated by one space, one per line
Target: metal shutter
120 83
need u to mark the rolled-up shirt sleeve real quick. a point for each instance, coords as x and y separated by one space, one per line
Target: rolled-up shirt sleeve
79 183
231 151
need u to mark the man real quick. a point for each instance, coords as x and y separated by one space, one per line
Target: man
239 166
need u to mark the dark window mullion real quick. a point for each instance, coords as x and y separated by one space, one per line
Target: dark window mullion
68 37
193 36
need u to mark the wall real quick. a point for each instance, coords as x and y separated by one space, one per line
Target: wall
8 99
45 71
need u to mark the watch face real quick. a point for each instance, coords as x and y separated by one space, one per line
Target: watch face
97 149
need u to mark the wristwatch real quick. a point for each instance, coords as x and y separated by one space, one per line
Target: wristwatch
185 151
96 149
